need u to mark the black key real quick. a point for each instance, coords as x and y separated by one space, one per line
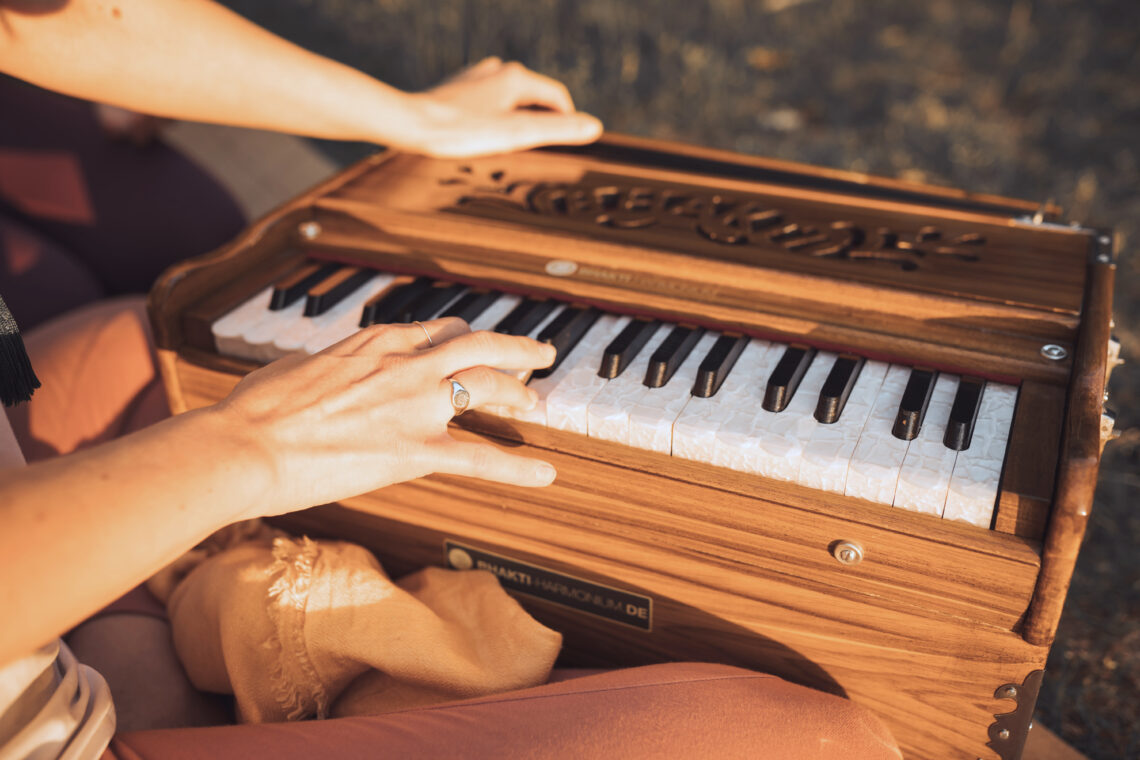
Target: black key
912 409
290 288
718 363
525 316
386 306
427 304
786 377
332 290
964 413
564 332
671 354
626 346
472 304
837 387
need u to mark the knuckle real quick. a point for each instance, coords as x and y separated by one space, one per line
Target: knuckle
484 378
483 341
483 458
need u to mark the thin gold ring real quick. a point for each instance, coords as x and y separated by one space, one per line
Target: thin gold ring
430 341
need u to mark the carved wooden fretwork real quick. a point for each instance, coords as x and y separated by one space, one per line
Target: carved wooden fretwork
731 220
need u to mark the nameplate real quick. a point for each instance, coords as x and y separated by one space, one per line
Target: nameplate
557 588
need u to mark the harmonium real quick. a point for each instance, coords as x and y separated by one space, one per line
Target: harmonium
834 427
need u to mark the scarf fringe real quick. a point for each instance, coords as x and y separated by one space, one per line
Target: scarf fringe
17 379
287 598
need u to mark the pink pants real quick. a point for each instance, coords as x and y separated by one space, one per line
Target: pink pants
100 381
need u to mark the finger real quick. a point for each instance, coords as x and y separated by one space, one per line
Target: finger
482 460
519 130
400 337
492 388
438 331
490 349
533 89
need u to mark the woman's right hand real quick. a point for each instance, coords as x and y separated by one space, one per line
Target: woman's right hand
373 410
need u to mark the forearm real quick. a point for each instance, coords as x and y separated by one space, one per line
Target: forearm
81 529
193 59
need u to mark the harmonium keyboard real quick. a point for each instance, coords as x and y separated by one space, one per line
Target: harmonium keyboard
833 427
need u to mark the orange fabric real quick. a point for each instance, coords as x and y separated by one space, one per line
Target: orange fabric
295 628
681 710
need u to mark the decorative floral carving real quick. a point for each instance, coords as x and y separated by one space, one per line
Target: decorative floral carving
718 217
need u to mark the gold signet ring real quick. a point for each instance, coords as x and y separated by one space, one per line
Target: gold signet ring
460 398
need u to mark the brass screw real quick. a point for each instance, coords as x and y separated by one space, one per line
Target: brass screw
1003 734
1008 692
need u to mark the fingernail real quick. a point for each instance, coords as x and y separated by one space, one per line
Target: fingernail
533 398
544 474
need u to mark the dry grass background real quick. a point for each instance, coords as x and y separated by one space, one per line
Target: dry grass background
1037 100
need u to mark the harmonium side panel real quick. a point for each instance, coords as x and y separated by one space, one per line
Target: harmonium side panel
724 568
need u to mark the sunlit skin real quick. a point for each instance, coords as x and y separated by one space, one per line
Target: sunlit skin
195 60
80 530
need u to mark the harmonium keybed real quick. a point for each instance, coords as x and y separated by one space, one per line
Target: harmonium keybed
820 424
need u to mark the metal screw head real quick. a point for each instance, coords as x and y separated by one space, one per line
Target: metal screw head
1054 352
309 230
1007 692
1003 734
1104 240
848 552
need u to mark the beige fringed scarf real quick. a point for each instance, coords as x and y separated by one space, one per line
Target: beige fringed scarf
295 628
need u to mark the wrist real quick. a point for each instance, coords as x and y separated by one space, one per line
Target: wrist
241 470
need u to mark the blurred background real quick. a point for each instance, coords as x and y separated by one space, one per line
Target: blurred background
1036 99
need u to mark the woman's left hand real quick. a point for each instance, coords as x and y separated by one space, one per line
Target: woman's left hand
491 108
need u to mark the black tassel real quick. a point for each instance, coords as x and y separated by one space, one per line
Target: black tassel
17 379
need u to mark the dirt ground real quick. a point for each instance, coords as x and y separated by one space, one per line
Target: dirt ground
1037 100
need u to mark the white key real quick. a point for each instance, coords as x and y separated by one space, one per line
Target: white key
827 454
781 436
874 471
928 465
523 374
652 413
568 403
608 414
694 430
348 320
736 441
227 330
589 350
256 342
974 484
293 339
495 312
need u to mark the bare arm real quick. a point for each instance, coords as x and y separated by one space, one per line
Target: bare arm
80 530
196 60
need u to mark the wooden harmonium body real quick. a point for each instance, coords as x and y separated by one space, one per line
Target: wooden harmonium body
834 427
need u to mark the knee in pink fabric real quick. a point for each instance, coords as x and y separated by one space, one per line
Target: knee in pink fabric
684 710
99 376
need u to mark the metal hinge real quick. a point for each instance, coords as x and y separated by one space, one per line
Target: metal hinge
1009 730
